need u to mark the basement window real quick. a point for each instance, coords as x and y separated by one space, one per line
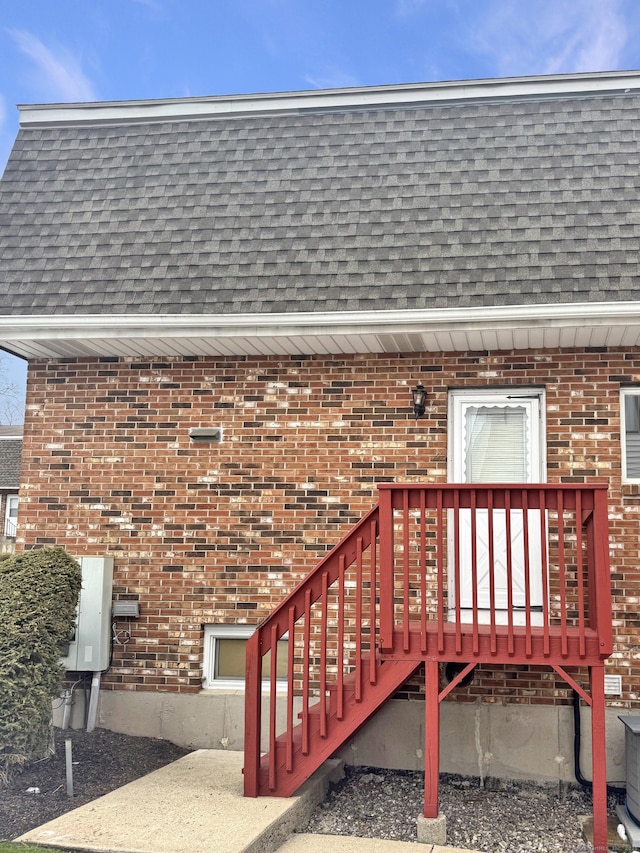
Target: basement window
630 411
225 657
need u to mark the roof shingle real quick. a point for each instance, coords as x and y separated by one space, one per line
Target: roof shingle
416 206
10 456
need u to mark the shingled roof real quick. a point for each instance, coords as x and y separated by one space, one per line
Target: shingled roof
389 199
10 456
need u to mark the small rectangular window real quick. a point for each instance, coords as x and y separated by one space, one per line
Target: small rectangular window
225 656
630 434
11 516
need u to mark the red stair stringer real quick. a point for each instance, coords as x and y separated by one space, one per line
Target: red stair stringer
390 676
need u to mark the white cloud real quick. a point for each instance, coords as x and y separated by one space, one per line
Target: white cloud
57 74
596 44
332 78
541 37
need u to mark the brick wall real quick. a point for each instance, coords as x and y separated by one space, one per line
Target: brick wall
206 532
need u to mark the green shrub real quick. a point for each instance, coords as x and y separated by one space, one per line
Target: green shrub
38 597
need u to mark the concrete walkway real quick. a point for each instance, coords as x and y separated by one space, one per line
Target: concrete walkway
195 805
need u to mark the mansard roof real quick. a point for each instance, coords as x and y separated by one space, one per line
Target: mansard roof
397 205
10 457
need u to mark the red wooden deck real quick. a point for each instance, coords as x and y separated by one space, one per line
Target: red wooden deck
466 573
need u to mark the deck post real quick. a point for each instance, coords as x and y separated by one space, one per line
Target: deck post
598 759
252 715
431 738
431 826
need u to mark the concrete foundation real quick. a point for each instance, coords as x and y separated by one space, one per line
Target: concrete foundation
476 739
207 720
487 740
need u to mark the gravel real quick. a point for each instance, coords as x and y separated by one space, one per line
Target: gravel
501 817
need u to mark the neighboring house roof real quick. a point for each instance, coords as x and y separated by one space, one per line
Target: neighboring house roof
386 218
10 455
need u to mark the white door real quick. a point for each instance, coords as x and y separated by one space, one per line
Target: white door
496 437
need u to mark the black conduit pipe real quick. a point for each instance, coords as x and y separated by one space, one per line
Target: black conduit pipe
612 788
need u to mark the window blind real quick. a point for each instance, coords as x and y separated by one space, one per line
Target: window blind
496 444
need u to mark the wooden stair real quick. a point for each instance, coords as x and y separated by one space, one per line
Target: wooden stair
391 588
299 753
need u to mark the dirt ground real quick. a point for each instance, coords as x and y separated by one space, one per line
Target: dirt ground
102 761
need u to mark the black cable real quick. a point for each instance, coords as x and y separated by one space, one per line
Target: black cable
110 649
612 788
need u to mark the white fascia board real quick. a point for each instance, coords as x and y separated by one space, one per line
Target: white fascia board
124 112
479 319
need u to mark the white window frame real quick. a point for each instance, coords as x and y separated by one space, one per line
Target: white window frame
624 393
533 400
213 633
459 397
10 499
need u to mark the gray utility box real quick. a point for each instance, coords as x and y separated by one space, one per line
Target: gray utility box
90 645
632 749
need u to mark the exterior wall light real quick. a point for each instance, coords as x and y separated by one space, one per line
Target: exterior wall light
419 400
201 434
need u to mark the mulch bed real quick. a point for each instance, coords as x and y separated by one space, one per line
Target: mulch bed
102 761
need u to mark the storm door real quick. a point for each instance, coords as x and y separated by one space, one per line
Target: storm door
496 437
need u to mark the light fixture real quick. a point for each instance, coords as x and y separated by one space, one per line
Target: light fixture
213 434
419 399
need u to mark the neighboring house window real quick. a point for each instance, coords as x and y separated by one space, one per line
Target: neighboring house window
225 656
11 516
631 434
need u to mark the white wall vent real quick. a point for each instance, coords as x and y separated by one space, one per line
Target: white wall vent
126 610
613 685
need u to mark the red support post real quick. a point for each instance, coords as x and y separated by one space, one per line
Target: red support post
252 713
431 738
598 759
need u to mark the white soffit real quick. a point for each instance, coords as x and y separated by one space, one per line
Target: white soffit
444 330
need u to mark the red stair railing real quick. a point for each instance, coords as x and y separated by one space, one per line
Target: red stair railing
330 623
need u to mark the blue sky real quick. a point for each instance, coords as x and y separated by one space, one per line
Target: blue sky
78 50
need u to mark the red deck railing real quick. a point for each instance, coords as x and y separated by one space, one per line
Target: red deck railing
474 573
495 571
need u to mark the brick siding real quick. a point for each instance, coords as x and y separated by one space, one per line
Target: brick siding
208 532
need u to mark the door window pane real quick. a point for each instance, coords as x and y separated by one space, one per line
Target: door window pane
496 444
